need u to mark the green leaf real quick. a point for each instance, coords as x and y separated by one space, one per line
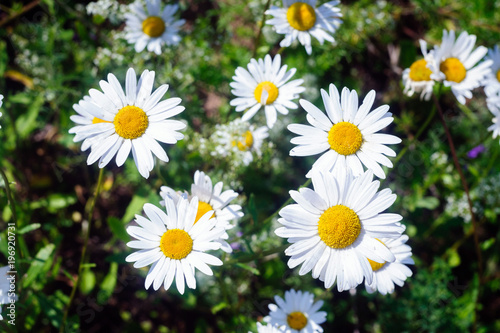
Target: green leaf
118 229
39 265
87 282
54 202
26 122
134 207
248 268
453 258
108 284
218 307
28 228
252 209
427 202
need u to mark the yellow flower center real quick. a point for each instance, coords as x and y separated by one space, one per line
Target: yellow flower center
203 208
498 75
453 69
153 26
345 138
131 122
376 265
246 143
99 120
176 244
296 320
419 71
271 89
301 16
339 226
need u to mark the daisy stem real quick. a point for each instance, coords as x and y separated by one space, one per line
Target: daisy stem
261 26
86 234
464 185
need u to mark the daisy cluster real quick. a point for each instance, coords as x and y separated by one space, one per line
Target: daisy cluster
339 229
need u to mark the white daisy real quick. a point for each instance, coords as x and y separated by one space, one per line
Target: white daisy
454 63
134 120
297 313
492 80
495 128
211 198
82 119
347 134
152 27
299 20
174 244
265 85
4 288
417 78
267 329
333 228
239 139
385 275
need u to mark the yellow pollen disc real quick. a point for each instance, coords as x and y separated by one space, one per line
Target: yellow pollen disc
339 226
419 71
453 69
153 26
246 143
131 122
271 89
99 120
296 320
203 208
176 244
301 16
498 75
345 138
376 265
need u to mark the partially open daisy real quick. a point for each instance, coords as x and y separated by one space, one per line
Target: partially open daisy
211 198
386 274
333 228
455 64
265 84
151 26
347 136
297 313
417 78
174 243
133 120
299 20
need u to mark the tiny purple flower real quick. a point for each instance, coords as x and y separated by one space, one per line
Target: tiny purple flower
474 152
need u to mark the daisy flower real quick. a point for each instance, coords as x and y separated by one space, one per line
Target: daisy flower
495 128
454 63
299 20
4 288
82 119
265 84
347 135
297 313
385 275
211 198
267 329
334 226
151 26
133 120
417 78
239 138
174 244
492 80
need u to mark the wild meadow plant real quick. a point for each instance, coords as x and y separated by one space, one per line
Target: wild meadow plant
246 166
